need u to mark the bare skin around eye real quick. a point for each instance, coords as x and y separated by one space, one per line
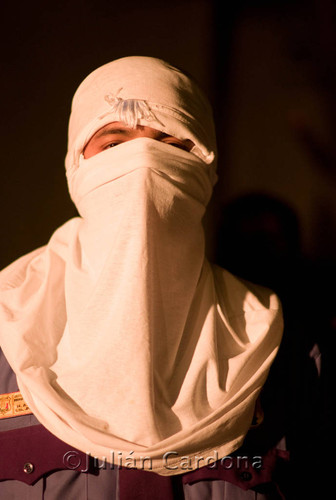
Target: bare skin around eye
115 133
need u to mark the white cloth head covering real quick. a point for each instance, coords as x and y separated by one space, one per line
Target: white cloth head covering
143 91
125 341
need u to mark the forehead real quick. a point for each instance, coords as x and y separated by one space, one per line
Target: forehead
117 127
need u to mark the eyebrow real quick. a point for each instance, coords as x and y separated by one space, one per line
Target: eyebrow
109 131
123 131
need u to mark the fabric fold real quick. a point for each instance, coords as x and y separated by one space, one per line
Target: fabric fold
124 339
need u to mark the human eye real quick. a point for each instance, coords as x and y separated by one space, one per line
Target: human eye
111 145
112 141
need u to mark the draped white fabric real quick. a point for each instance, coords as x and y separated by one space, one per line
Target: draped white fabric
123 337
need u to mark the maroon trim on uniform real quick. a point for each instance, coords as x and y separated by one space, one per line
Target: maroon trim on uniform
28 453
135 484
239 471
245 473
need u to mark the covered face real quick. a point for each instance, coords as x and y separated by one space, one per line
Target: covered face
142 91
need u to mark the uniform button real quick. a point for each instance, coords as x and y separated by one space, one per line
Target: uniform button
28 468
246 476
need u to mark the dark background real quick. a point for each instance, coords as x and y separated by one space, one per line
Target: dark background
267 67
269 71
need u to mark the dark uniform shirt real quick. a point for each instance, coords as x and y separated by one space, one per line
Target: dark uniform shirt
35 465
